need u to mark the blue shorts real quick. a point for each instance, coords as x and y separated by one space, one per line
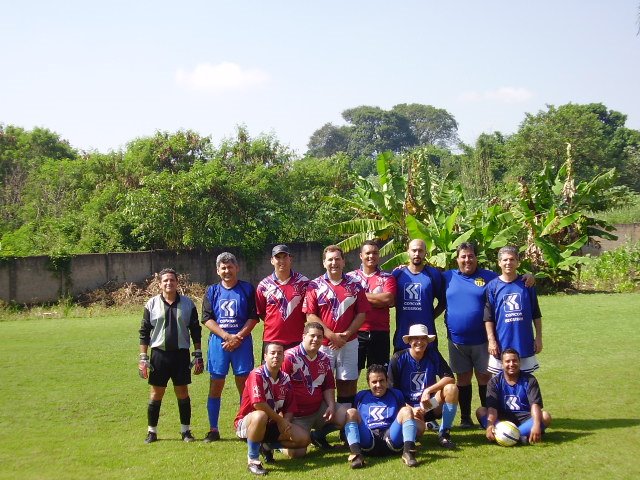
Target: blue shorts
218 360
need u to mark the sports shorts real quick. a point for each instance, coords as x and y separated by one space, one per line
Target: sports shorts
271 434
173 364
218 359
465 358
313 421
373 348
344 361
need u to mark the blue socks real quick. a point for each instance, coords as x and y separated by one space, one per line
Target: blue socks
525 427
254 450
351 430
213 409
409 431
448 414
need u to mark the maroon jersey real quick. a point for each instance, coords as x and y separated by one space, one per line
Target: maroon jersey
261 388
280 306
336 305
310 378
377 319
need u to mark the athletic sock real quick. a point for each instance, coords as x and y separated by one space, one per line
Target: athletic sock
152 429
274 445
185 428
352 433
326 429
482 392
153 412
483 421
448 414
213 410
184 407
525 427
464 400
409 431
253 449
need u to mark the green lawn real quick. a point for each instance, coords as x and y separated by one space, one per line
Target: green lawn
73 407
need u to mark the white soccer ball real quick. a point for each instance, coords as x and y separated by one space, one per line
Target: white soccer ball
507 434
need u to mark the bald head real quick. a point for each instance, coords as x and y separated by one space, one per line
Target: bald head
417 251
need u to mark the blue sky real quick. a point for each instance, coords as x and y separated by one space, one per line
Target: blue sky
103 73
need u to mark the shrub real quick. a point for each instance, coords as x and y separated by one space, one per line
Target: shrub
614 271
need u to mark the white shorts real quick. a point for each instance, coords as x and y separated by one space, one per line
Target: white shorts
527 364
344 361
241 429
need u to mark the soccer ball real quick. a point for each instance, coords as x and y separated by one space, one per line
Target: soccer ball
507 434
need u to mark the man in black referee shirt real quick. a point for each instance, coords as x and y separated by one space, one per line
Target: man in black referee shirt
168 320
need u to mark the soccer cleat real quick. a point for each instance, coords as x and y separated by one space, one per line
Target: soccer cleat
357 460
466 422
151 437
267 454
444 439
409 458
212 436
256 468
187 436
319 441
433 425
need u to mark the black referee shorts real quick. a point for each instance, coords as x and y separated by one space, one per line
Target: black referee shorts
173 364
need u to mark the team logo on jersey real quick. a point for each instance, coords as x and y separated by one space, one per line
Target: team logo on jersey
412 292
512 402
229 308
417 381
479 282
377 413
512 302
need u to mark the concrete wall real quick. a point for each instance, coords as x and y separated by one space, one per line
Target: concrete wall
29 280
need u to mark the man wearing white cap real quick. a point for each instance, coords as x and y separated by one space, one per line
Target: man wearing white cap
413 371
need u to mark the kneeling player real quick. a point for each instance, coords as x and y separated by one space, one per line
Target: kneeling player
380 422
266 410
514 395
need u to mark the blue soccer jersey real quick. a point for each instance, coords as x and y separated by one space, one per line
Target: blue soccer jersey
514 400
230 307
465 298
412 376
378 412
415 295
513 307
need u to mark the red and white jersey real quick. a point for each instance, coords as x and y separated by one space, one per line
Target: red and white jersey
280 306
310 378
378 282
261 388
336 305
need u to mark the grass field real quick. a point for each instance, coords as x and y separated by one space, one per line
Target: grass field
73 407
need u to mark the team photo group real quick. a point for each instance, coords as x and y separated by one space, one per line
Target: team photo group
320 335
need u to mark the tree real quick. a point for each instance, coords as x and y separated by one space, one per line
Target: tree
597 136
328 140
429 125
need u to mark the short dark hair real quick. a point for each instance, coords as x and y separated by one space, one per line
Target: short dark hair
510 350
309 325
466 246
268 344
332 248
376 368
165 271
371 243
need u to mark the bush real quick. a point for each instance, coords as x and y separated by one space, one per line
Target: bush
614 271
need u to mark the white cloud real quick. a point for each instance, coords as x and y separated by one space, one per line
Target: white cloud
502 95
223 77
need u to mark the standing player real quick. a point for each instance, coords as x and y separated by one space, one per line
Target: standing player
510 311
339 304
514 396
380 288
419 285
380 423
279 299
314 388
426 381
167 322
229 312
266 409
